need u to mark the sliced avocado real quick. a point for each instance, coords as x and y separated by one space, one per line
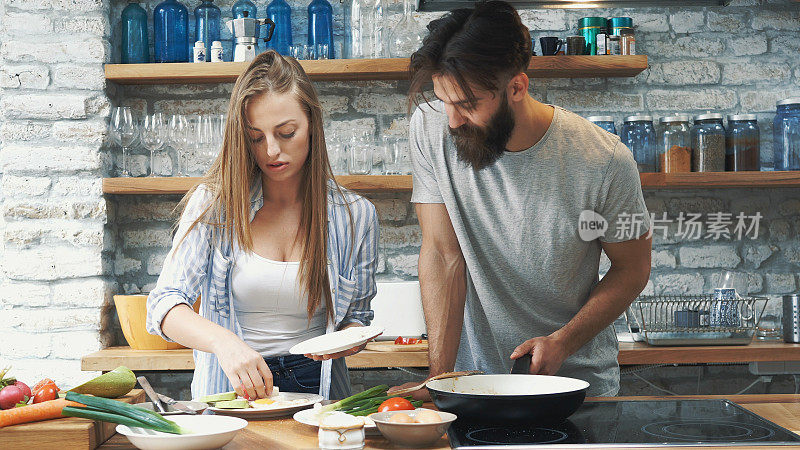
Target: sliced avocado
232 404
112 384
222 396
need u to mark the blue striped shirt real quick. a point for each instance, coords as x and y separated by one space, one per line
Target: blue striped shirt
201 266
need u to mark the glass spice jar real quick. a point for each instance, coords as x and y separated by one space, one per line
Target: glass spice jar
786 135
604 122
708 143
639 135
742 143
675 152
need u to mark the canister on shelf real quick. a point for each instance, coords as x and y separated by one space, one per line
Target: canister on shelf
708 143
639 135
199 52
614 45
618 26
628 44
604 122
216 51
675 153
786 135
589 28
742 143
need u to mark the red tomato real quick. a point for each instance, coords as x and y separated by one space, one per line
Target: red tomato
405 341
395 404
45 390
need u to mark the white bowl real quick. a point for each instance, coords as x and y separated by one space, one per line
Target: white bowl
210 432
412 434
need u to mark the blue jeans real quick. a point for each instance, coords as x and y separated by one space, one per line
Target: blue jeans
295 373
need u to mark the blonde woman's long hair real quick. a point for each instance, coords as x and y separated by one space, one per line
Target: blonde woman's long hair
234 170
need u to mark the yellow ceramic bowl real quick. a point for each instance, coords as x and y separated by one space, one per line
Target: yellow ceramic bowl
132 313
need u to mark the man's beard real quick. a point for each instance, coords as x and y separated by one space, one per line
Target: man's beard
480 147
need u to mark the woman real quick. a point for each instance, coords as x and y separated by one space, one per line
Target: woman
276 250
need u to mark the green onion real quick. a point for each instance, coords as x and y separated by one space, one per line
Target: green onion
151 419
377 391
94 414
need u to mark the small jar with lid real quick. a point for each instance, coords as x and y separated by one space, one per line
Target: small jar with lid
786 135
639 135
708 143
604 122
620 26
675 151
742 143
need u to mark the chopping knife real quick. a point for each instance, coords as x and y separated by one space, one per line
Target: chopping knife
151 394
522 365
176 404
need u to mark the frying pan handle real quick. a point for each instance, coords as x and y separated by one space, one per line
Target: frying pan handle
522 364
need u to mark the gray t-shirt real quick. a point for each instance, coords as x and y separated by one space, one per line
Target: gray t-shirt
528 270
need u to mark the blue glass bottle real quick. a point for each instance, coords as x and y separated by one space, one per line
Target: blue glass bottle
281 13
320 25
135 47
207 24
171 32
238 9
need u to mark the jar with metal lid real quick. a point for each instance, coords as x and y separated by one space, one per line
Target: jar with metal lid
589 28
742 143
639 135
675 151
604 122
708 143
620 26
786 135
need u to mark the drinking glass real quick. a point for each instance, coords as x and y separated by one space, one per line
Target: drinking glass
299 51
177 139
123 131
393 156
206 139
193 147
321 51
359 156
152 136
769 328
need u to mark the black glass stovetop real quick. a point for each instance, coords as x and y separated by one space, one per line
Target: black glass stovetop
630 423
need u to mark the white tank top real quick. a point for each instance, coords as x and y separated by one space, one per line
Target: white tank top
269 305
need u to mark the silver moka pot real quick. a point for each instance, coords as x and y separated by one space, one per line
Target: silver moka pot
247 31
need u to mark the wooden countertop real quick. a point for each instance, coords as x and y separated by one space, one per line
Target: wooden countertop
285 433
629 353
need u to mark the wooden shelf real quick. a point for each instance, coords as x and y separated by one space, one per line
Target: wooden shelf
180 185
402 183
580 66
630 353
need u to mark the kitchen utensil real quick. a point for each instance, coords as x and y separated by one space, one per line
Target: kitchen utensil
412 434
210 432
151 394
246 32
791 318
336 341
441 376
522 365
550 45
307 400
509 398
175 404
172 408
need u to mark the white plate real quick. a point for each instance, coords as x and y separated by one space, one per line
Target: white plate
310 417
210 432
266 412
337 341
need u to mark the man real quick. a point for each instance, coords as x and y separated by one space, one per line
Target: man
500 181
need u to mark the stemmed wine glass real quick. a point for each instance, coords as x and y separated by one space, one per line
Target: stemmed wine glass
177 139
123 131
153 136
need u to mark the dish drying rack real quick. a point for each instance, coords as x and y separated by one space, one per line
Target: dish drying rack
694 319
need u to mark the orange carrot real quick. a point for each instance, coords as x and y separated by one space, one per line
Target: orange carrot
32 413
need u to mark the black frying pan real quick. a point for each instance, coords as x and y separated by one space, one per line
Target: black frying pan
509 398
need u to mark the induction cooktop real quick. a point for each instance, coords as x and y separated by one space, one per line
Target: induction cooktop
632 423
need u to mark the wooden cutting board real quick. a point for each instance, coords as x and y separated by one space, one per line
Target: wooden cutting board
64 433
390 346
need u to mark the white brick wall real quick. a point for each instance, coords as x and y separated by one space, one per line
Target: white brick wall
55 282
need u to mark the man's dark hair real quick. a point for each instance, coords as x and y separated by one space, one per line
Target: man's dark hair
485 46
